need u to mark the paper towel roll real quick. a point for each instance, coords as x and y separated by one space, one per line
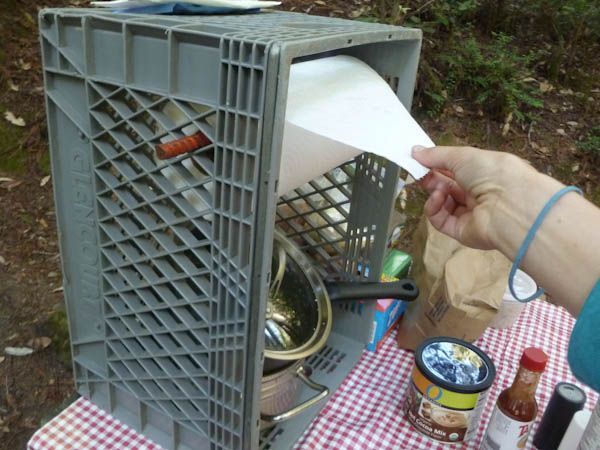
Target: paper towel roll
337 108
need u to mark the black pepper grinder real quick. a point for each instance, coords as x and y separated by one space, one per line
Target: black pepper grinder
566 400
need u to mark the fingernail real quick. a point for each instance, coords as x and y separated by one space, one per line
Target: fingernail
417 148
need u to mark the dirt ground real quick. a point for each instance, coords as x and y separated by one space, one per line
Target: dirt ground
34 387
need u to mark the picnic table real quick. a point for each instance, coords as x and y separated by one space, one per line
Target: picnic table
366 411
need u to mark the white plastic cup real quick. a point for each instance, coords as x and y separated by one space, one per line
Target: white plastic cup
511 307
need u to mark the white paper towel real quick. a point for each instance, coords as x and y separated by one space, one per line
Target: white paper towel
337 108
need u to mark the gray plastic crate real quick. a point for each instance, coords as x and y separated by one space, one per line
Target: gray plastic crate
166 263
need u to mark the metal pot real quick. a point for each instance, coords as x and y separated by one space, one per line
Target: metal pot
299 315
279 391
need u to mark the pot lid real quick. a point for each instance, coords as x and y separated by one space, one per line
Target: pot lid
292 308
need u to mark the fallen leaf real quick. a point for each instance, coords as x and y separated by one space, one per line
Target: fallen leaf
403 198
44 181
43 223
12 336
528 79
5 179
545 87
12 86
566 91
40 343
58 289
459 109
561 131
17 121
506 127
18 351
575 168
320 2
573 124
2 358
358 12
29 18
24 65
52 274
2 260
11 184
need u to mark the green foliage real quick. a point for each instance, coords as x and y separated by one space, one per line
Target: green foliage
492 76
59 332
446 15
561 19
432 94
591 143
44 162
12 157
468 48
388 11
566 28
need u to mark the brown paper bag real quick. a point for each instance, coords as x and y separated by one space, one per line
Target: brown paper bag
460 289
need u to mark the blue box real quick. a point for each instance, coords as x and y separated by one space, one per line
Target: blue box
388 312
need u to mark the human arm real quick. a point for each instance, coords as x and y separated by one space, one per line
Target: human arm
489 200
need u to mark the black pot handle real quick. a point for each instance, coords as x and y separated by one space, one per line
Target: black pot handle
405 290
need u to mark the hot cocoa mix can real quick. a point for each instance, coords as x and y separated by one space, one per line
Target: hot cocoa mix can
448 389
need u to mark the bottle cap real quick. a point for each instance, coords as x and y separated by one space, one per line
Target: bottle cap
534 359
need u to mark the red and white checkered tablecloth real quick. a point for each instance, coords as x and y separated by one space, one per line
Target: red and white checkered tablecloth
366 411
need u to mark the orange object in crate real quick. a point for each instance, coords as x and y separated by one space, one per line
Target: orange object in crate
180 146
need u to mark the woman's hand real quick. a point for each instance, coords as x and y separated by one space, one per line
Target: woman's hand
469 188
489 200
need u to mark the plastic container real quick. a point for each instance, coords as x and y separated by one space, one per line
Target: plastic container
448 389
511 308
166 262
567 399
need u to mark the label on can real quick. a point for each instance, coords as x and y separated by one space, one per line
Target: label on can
505 433
442 414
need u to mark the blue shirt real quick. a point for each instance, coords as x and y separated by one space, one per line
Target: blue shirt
584 347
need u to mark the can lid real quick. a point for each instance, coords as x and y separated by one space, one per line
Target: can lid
534 359
455 365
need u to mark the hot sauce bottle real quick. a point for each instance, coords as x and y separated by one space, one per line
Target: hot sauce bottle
516 408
